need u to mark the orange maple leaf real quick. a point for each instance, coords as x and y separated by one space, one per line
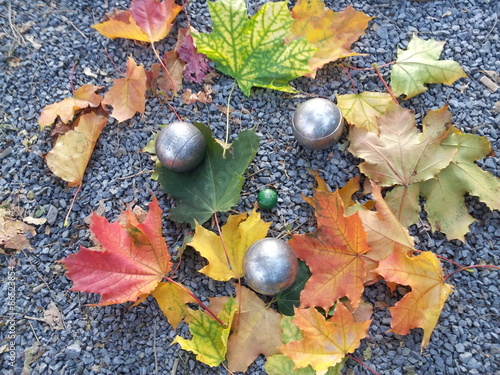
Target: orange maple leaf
325 343
134 260
84 97
333 253
331 32
422 306
128 95
146 21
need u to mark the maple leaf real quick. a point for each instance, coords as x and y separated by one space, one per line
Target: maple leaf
421 307
325 343
331 32
197 66
333 253
279 364
159 82
172 301
252 50
420 64
362 110
400 155
127 96
255 331
134 260
209 341
213 186
72 151
146 21
188 97
444 195
239 233
13 233
84 97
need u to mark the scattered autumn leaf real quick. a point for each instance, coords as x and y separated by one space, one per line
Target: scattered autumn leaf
363 109
209 341
133 261
146 21
400 155
197 66
213 186
331 32
188 97
256 330
239 233
252 50
163 84
13 233
422 306
333 253
84 97
172 300
53 317
127 95
72 151
325 343
419 64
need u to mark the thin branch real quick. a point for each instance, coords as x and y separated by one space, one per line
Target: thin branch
72 204
227 119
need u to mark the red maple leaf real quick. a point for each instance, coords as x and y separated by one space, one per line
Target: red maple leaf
133 261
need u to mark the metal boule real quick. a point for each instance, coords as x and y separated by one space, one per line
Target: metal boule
270 266
180 146
317 124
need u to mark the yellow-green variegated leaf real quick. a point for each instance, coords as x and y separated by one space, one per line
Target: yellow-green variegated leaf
420 64
362 110
252 50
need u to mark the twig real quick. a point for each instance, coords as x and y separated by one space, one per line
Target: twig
350 78
474 266
174 87
362 364
174 367
154 349
71 206
74 26
72 77
34 333
112 62
134 175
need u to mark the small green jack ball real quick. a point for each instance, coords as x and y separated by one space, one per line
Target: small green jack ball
267 199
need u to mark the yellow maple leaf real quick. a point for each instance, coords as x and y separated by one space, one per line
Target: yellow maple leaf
239 233
172 301
331 32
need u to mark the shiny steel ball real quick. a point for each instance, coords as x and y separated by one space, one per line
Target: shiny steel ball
317 124
270 266
180 146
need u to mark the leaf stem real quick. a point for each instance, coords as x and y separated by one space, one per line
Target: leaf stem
174 87
473 266
350 78
205 307
222 241
385 83
380 66
72 204
362 364
227 120
443 258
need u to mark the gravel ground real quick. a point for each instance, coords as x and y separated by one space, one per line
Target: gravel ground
119 340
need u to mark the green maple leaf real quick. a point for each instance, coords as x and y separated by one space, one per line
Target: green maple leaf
420 64
213 186
444 195
252 50
209 341
290 297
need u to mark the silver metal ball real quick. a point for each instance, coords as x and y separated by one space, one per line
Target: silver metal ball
270 266
180 146
317 124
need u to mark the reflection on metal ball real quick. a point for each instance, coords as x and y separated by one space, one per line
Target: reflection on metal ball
317 124
270 266
180 146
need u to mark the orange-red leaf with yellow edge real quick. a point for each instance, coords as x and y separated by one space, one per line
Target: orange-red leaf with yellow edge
331 32
73 149
84 97
325 343
155 17
128 95
422 306
121 24
134 260
333 253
